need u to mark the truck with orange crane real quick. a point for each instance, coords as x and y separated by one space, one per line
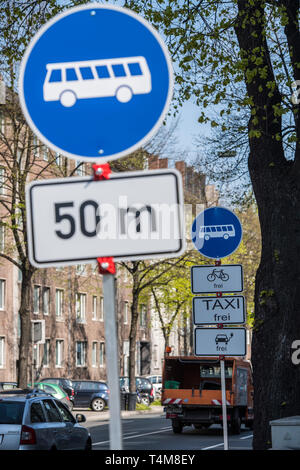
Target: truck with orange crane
192 395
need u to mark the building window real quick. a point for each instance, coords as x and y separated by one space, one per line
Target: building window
80 353
46 356
2 351
125 312
94 354
59 352
143 316
2 238
2 294
36 355
126 358
46 300
81 269
80 307
58 159
45 153
94 313
102 355
101 313
79 168
59 301
2 123
35 146
2 181
36 299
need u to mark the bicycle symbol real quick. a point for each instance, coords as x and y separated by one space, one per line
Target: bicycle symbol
217 274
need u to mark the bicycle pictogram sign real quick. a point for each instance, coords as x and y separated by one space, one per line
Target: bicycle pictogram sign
217 274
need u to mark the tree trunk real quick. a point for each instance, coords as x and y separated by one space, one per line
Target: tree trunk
276 184
25 339
277 300
133 335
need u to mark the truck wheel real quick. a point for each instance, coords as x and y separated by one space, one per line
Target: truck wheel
177 427
235 425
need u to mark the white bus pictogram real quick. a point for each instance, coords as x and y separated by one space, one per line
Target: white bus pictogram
216 231
122 77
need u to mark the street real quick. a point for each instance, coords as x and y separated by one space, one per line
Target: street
154 432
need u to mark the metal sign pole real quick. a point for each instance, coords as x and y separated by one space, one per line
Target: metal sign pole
224 408
107 268
112 362
223 383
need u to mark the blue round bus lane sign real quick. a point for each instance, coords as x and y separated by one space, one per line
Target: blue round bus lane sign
216 232
96 82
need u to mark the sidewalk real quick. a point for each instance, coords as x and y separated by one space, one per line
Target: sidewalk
104 415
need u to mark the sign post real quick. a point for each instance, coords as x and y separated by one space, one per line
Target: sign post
217 233
112 361
224 408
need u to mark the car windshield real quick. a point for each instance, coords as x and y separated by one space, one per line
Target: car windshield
11 412
145 382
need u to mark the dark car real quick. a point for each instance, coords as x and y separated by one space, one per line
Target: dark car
90 394
65 384
8 385
142 384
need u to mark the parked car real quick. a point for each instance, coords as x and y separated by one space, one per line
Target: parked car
90 394
143 386
56 392
8 385
156 381
37 421
65 384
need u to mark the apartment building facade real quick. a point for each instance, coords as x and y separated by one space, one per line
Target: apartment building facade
66 302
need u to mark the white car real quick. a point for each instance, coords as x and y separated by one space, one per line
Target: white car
37 421
156 381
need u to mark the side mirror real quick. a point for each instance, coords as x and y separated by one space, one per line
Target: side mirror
80 418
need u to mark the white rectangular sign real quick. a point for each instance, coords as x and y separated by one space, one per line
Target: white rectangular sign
212 279
213 310
220 341
131 216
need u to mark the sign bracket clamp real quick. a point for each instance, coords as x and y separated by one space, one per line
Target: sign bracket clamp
106 265
107 268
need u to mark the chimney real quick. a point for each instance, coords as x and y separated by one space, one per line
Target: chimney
153 162
163 163
180 166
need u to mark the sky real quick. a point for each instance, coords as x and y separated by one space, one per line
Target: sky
189 127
